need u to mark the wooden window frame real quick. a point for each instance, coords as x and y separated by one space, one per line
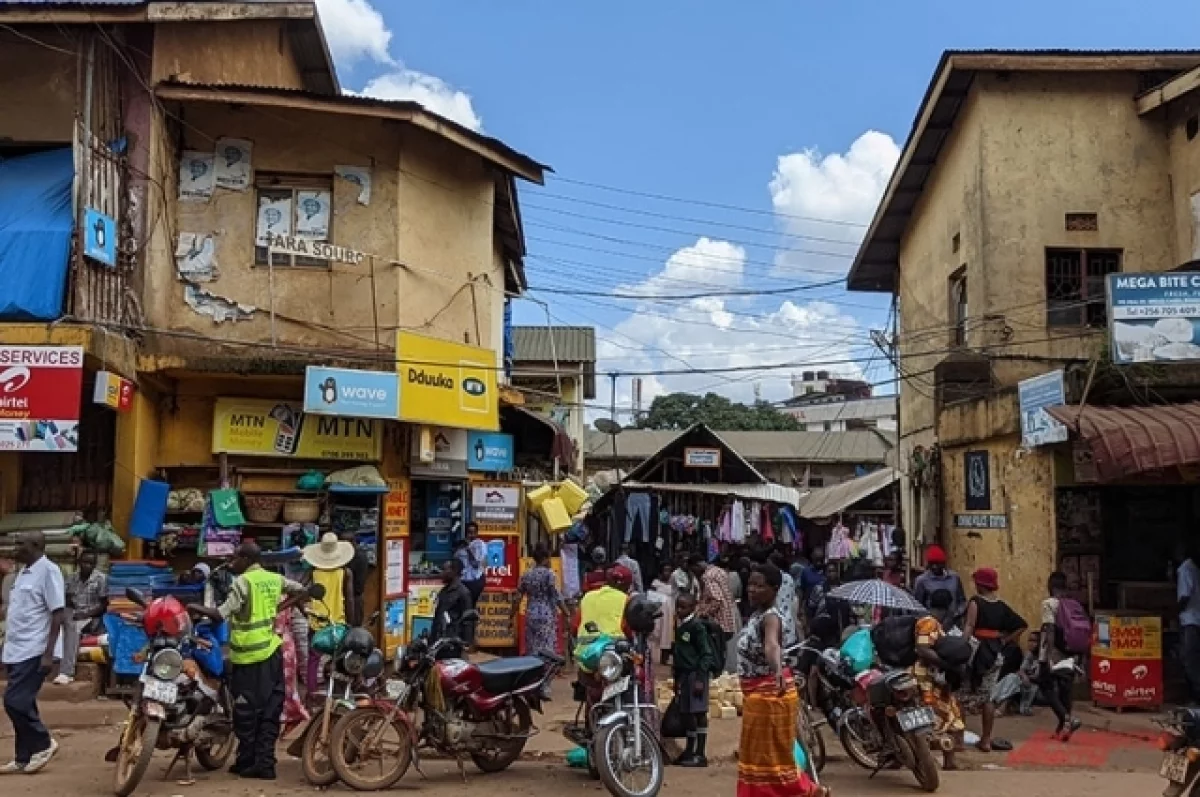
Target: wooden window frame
284 183
959 293
1084 304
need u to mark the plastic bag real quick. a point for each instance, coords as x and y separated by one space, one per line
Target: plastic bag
673 726
314 480
801 756
327 640
859 651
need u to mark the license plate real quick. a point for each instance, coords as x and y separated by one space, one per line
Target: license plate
160 691
1174 768
914 719
618 687
396 689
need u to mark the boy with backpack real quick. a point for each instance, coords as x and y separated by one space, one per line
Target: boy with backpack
1066 635
696 661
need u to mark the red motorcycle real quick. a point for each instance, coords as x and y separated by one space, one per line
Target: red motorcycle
477 710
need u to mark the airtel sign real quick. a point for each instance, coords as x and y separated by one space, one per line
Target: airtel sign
40 393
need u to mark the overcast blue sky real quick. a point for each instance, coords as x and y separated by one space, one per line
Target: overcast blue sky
793 112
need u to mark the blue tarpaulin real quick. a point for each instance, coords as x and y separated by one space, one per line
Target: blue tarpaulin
35 234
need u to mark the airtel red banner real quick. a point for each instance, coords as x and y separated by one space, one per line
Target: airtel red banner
503 563
41 388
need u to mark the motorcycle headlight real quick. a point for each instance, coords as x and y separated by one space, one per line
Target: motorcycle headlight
610 667
167 664
353 663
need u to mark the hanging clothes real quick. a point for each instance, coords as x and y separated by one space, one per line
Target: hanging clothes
840 547
768 533
637 517
753 518
738 523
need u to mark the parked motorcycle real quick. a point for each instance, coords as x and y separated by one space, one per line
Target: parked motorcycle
181 702
1180 745
802 658
478 710
611 722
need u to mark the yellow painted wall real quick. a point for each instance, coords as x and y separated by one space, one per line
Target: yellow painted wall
253 52
37 89
1185 175
136 458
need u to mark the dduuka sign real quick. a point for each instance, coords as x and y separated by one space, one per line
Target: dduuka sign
287 245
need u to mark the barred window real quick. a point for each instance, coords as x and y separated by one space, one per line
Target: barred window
1075 280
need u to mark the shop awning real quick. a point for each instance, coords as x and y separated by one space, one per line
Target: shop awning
775 493
1129 440
825 501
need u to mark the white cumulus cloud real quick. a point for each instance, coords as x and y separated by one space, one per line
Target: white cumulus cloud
714 263
355 29
432 92
845 187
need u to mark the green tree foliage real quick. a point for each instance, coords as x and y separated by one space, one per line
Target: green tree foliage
678 411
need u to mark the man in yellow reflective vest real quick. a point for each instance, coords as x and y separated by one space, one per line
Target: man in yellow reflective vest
256 680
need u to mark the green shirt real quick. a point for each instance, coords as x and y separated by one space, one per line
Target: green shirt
693 647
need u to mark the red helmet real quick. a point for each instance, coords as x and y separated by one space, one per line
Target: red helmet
166 616
620 577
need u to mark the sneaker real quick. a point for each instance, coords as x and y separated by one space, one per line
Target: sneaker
62 680
12 768
696 761
1072 727
38 761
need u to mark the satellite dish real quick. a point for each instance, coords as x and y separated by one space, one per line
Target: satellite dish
607 426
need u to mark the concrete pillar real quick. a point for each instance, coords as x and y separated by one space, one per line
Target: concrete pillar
136 459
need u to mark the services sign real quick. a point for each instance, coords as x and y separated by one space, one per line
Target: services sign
502 570
495 628
113 391
489 451
1126 661
447 384
1154 317
1038 427
268 428
496 506
351 392
41 389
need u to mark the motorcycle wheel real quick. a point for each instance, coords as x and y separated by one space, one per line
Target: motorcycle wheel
369 769
810 736
613 747
133 757
213 757
314 755
925 768
501 755
855 748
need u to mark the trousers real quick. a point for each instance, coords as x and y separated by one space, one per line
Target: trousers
258 693
637 510
20 704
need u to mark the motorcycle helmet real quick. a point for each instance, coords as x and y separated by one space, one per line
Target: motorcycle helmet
166 617
374 665
358 640
641 614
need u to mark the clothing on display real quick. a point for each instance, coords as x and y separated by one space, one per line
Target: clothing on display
637 516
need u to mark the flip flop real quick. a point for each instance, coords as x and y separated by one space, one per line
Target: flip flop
1002 745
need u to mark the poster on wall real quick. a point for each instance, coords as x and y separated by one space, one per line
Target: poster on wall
1154 317
422 598
312 215
394 621
267 428
978 478
496 628
233 167
41 390
197 176
495 506
1038 428
396 562
195 257
396 508
274 218
502 570
361 177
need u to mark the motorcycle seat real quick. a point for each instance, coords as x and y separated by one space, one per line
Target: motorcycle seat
508 675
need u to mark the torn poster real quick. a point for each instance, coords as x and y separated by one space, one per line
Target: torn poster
233 170
196 176
216 307
361 177
312 215
274 218
195 257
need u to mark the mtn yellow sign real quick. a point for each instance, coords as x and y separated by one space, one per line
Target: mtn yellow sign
447 384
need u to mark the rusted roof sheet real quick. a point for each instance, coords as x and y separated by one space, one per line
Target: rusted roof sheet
1129 440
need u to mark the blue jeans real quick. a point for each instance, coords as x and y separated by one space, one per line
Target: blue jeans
20 703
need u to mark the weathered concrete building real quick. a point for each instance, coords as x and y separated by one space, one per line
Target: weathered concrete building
1027 178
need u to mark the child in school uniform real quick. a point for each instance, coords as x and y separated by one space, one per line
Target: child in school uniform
694 658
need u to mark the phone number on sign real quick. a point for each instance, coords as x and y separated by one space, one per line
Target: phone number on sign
1157 311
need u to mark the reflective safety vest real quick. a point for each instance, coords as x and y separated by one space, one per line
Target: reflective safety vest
252 635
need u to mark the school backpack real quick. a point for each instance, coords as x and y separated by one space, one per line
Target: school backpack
1074 626
718 640
895 640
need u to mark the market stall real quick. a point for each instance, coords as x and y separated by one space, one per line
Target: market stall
854 522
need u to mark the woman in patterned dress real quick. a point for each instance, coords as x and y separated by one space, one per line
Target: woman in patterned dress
935 691
539 587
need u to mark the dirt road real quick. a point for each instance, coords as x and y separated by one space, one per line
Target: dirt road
80 771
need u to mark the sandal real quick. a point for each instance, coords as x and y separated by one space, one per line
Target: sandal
1002 745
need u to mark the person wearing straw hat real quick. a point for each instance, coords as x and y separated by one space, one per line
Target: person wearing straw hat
329 559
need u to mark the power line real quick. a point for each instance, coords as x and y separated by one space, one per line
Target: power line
688 296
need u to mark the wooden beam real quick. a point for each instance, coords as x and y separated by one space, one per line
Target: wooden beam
1169 92
32 14
227 12
1074 62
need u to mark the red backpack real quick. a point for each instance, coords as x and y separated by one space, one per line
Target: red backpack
1074 626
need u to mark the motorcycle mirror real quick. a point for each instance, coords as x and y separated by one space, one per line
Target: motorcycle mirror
135 596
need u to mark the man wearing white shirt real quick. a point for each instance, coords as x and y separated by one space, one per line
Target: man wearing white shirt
33 641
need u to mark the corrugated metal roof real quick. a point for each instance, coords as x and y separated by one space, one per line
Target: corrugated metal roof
857 410
775 493
1126 441
854 447
825 501
554 344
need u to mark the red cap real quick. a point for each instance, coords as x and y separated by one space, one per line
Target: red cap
986 578
934 555
620 576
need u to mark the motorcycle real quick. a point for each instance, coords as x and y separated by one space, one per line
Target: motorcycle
610 721
478 710
801 658
181 702
1180 745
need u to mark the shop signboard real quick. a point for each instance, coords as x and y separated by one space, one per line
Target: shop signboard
268 428
1038 428
977 478
495 628
113 391
287 245
439 452
422 597
491 452
503 567
396 512
394 620
702 457
495 506
41 389
969 521
1154 318
447 384
1126 661
351 392
99 237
